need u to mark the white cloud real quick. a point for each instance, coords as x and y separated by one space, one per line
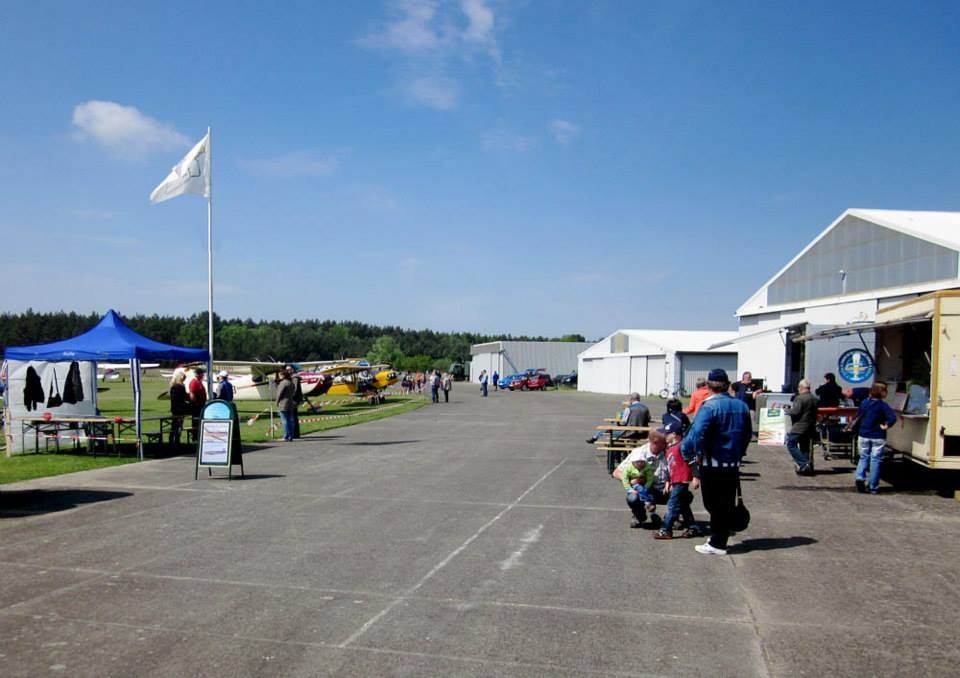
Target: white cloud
501 140
480 26
563 130
434 36
434 91
304 163
124 128
412 31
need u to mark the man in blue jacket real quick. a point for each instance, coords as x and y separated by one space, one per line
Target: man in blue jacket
718 439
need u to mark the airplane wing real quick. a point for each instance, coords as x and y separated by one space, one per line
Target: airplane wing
125 366
254 367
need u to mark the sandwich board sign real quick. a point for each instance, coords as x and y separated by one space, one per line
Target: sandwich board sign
218 443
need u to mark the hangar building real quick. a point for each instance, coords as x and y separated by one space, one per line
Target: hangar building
650 361
510 357
864 261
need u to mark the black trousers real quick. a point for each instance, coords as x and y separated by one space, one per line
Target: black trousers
719 489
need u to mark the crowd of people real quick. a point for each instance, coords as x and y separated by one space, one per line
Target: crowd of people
684 455
703 445
436 381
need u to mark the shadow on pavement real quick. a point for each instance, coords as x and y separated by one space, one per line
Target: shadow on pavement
20 503
372 443
770 544
237 476
816 488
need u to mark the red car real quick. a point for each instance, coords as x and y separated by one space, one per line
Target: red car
520 383
538 382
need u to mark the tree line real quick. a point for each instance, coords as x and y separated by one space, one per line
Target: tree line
296 340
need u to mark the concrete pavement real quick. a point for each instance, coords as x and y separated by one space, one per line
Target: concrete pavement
476 538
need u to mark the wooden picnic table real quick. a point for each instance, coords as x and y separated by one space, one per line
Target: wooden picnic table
614 452
70 427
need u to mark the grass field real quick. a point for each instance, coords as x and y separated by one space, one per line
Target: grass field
116 399
335 411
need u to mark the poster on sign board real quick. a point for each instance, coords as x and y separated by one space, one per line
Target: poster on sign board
773 426
215 443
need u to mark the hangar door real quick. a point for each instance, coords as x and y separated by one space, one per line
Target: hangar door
638 375
606 375
656 379
693 365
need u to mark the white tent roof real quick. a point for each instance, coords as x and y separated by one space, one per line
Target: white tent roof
941 228
671 341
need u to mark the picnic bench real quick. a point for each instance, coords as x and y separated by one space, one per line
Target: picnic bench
617 447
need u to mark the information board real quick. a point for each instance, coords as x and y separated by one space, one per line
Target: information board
218 445
215 442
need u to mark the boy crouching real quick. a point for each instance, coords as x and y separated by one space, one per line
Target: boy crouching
683 477
637 480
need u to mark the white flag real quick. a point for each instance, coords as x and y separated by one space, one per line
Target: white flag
190 175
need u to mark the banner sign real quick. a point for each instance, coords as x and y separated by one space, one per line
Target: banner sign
773 426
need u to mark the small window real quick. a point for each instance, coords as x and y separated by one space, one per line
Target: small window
619 343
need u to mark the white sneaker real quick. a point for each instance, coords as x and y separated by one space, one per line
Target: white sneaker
709 550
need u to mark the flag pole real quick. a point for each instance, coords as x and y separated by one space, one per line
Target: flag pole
210 263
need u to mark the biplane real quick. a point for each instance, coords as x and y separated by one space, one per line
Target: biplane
360 378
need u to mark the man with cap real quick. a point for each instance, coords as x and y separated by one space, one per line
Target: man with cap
225 390
718 439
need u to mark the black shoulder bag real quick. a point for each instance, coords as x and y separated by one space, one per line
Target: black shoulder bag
740 516
54 400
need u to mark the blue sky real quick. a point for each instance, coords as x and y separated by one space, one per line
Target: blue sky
519 167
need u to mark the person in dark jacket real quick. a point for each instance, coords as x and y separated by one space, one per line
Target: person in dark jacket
829 392
676 416
286 403
297 398
718 439
179 405
803 414
873 420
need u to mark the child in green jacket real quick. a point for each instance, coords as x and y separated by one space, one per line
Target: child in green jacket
637 481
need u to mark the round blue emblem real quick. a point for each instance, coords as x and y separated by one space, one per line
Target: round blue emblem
855 366
217 409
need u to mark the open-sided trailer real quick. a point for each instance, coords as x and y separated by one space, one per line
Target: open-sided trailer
916 352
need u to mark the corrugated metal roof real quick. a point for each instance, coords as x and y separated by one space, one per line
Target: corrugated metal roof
941 228
674 341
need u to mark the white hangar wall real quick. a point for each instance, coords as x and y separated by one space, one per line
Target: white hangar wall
863 261
509 357
650 361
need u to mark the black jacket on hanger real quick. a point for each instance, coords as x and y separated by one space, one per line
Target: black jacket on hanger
33 394
73 385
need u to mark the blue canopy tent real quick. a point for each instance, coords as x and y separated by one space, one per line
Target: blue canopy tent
110 339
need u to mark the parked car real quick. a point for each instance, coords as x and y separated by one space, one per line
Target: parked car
539 381
566 379
505 381
519 382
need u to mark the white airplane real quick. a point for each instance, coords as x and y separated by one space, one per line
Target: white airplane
118 371
257 380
